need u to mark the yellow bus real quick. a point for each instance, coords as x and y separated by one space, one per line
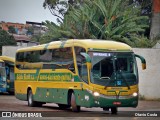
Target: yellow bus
6 74
78 73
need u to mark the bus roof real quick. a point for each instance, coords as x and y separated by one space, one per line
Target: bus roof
6 58
85 43
1 61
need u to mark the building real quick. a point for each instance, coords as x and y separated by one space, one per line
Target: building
22 41
22 37
38 28
19 27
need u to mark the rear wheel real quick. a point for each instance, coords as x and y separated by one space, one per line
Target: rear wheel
114 110
31 102
11 93
74 106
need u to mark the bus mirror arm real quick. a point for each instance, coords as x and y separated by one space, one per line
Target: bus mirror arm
143 61
87 59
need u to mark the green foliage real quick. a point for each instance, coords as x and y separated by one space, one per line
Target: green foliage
45 39
143 42
6 39
11 29
141 97
102 19
57 8
42 39
30 30
157 37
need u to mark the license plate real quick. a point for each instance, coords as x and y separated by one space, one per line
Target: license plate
116 103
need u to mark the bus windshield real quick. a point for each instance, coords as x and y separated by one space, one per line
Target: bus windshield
113 68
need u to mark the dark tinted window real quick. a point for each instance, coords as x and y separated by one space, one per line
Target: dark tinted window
20 57
61 58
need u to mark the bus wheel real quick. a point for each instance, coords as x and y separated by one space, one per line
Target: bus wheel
63 106
106 109
31 102
74 106
11 93
114 110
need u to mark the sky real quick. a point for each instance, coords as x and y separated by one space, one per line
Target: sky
20 11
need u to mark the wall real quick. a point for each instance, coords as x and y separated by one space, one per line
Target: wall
149 79
10 50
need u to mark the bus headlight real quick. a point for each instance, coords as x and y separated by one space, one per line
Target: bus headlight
135 94
96 94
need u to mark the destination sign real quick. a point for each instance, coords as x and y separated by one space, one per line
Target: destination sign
102 54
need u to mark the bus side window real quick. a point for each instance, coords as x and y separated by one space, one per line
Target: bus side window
20 60
72 68
83 73
62 58
20 57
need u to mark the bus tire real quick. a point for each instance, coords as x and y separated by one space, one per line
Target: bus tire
114 110
38 104
63 106
106 109
31 102
11 93
74 106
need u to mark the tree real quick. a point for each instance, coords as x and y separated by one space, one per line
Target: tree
30 30
6 39
155 21
146 10
11 29
59 8
101 19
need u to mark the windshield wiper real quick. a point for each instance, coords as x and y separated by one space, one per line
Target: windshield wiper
97 76
106 77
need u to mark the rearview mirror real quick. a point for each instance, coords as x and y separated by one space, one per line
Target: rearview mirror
143 61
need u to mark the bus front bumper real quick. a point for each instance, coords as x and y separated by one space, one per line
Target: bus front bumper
115 101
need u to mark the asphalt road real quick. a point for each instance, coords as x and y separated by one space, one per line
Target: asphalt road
19 109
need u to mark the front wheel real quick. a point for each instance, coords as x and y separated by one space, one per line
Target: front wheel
74 106
114 110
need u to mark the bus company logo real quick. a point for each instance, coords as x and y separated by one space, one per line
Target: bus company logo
6 114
